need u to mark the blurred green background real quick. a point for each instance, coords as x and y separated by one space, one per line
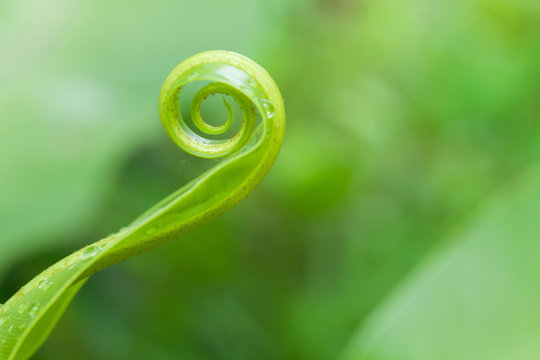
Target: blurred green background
400 220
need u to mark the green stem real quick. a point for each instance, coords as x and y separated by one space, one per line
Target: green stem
27 318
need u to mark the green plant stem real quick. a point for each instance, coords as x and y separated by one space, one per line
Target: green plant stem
27 318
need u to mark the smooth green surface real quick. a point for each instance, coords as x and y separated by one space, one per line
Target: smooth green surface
473 298
27 317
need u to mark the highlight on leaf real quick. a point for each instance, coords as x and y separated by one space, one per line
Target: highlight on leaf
27 318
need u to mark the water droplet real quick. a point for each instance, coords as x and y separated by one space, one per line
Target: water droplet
3 319
72 266
151 230
193 76
24 307
44 284
91 251
11 328
3 341
33 312
268 107
21 326
252 82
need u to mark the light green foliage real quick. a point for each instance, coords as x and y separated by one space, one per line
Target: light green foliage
473 298
27 318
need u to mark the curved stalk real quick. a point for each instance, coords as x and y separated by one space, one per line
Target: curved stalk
27 317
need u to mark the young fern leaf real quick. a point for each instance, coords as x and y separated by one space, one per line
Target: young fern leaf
28 317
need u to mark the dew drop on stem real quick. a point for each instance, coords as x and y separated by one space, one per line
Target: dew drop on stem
24 307
44 284
33 312
268 108
193 76
91 251
3 319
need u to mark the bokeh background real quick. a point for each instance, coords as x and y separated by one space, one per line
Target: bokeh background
400 221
